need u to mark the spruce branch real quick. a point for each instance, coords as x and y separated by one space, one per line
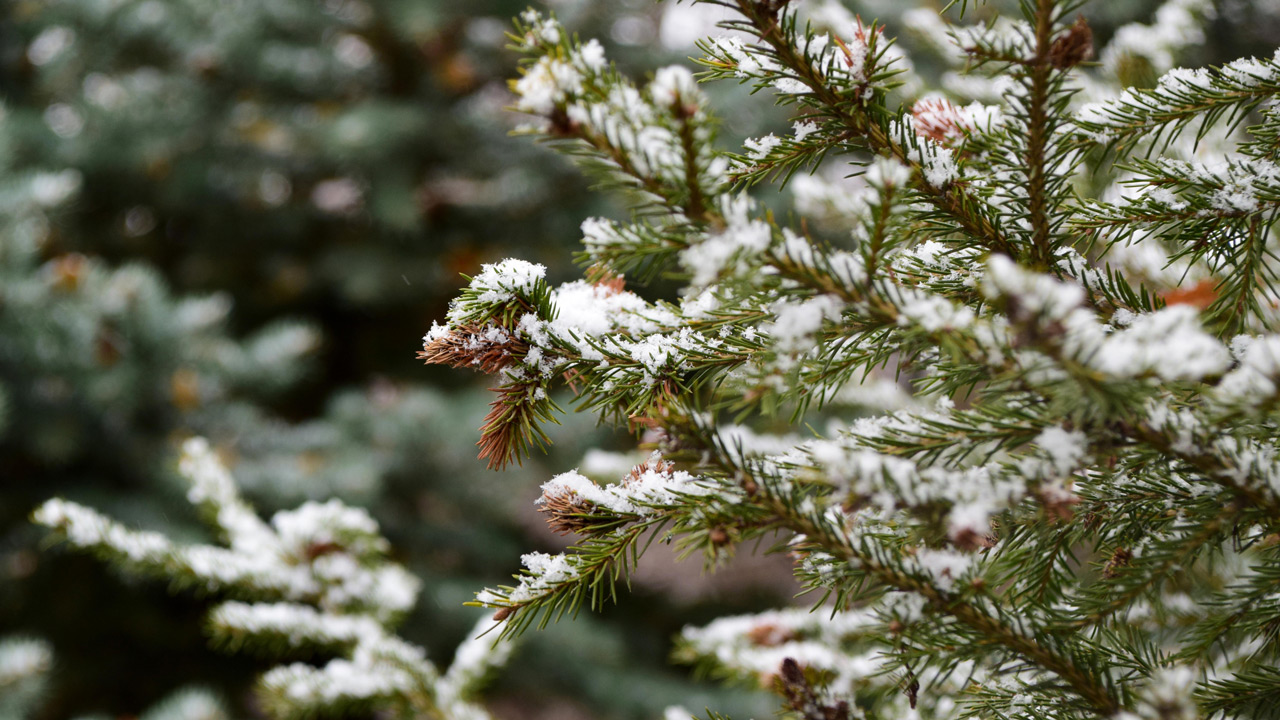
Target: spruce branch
777 31
1255 692
514 423
993 628
1155 118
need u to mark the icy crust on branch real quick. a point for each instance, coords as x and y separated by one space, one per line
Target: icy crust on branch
213 489
499 287
754 646
1146 347
373 664
368 677
327 553
842 60
1181 95
847 652
1242 463
1178 191
610 332
654 141
1253 382
298 625
574 316
543 574
642 493
968 496
502 282
314 578
383 667
649 495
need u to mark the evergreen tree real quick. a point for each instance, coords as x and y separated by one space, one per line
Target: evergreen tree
1069 509
314 579
101 367
174 178
1005 399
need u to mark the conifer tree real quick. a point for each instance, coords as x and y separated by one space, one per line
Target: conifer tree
1001 385
104 367
175 177
315 579
100 368
1014 422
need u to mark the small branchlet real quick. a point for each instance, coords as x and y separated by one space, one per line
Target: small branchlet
514 423
798 687
487 349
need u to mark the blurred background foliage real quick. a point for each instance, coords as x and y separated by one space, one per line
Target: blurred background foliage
235 218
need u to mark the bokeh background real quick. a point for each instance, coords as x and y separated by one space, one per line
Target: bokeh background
236 219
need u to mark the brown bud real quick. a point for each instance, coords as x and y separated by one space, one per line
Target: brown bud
608 282
791 672
207 64
68 271
938 119
184 389
770 635
1059 503
316 549
108 347
662 467
771 8
561 124
718 537
1119 559
1072 47
970 540
567 512
503 613
1201 295
456 73
642 421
